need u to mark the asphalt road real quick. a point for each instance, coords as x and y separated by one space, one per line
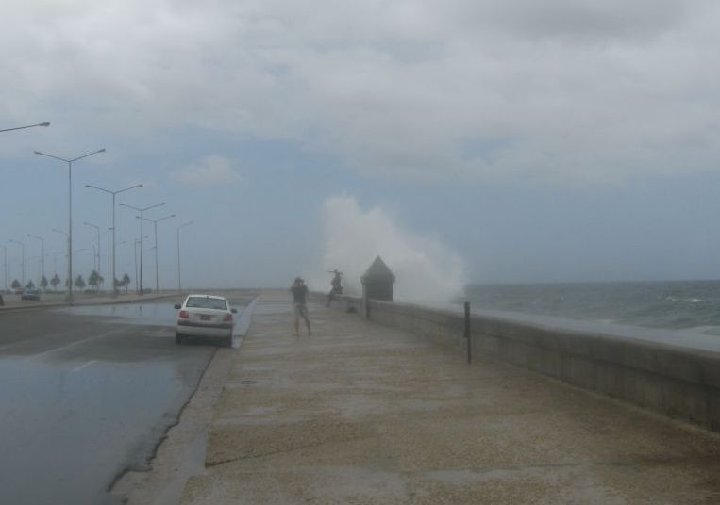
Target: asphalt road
87 393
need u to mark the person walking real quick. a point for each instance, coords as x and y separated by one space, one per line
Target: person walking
299 292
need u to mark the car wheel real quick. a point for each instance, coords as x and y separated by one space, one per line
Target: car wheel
178 338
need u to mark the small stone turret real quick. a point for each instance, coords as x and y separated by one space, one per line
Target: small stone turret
377 282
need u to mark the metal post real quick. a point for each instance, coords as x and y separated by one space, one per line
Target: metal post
5 264
113 193
70 252
178 257
468 334
97 254
157 257
113 280
70 262
97 251
66 245
140 217
157 262
136 265
141 255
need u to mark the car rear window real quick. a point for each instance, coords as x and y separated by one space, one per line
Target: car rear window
206 303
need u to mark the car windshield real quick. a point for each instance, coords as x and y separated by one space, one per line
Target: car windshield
206 303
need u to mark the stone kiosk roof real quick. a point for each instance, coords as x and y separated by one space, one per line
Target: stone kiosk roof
378 270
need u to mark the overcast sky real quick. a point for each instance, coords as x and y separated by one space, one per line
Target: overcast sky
466 140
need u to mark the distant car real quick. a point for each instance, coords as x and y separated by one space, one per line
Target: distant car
31 294
205 316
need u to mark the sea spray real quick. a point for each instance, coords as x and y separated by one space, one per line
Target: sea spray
425 269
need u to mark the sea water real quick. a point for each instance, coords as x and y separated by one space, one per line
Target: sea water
682 314
687 306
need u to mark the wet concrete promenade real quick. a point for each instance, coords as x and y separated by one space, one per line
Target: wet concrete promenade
361 414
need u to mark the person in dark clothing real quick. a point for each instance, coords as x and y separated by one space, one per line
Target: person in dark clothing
300 291
336 286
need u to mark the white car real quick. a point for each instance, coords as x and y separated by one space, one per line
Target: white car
205 316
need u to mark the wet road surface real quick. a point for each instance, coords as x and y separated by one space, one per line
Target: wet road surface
87 393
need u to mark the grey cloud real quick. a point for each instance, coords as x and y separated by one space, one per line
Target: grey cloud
391 87
579 20
209 171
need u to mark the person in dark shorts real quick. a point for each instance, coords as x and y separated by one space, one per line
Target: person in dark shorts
336 286
300 291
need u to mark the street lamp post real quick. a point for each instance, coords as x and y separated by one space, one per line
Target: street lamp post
77 252
137 275
27 126
67 250
42 254
97 252
135 248
157 257
119 244
178 251
5 264
69 163
22 244
141 210
113 193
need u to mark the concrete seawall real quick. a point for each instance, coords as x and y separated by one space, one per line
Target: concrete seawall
683 384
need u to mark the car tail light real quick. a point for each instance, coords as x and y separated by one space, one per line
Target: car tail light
184 314
228 317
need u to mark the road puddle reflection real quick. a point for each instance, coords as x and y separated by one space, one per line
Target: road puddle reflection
153 314
146 314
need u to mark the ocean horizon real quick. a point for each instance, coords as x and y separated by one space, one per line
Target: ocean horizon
688 306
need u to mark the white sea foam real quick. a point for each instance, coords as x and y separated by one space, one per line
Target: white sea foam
425 269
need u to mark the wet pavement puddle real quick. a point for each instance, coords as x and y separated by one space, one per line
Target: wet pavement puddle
75 416
151 314
69 429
